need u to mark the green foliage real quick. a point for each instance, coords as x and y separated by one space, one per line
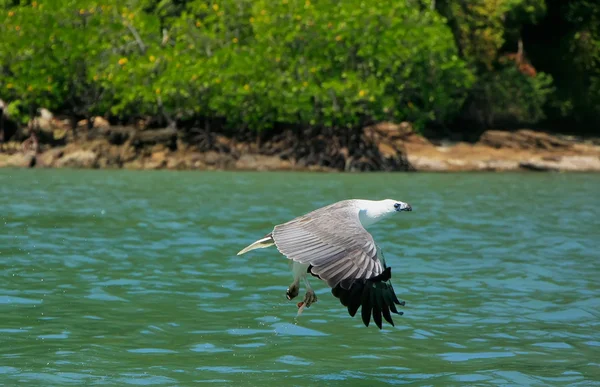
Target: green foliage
566 44
481 27
254 63
507 96
337 64
583 60
54 53
483 30
325 63
15 111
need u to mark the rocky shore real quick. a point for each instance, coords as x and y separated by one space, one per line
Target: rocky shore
384 146
522 150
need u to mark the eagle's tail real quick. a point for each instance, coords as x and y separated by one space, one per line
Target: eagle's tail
259 244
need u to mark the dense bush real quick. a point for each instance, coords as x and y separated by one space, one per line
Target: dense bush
487 33
483 27
507 96
255 63
322 63
567 43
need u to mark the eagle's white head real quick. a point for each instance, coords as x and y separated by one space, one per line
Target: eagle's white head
372 211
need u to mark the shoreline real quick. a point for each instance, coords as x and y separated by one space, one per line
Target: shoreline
391 147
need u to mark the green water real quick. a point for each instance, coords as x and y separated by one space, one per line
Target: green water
119 278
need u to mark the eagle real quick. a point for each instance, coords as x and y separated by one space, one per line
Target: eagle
333 245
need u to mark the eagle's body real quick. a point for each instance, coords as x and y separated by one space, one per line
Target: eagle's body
331 243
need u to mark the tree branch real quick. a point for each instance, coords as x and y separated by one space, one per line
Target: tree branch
137 37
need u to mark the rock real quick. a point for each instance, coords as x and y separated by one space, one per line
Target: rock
48 158
498 165
223 143
387 150
523 139
457 164
113 154
159 156
262 163
362 163
116 135
79 159
177 163
382 149
47 122
157 160
215 160
538 165
187 160
18 160
11 147
423 163
134 164
167 136
82 124
100 122
151 164
60 133
384 146
127 153
158 148
45 114
110 158
580 163
391 130
42 124
565 163
435 163
142 123
395 133
211 158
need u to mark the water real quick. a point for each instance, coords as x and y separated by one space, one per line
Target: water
131 278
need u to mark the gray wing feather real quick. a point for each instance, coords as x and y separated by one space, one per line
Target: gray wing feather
333 241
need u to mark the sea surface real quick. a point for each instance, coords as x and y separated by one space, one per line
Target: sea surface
131 278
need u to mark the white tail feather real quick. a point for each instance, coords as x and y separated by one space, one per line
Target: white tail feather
259 244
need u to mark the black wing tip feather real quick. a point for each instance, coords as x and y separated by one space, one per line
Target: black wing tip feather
376 297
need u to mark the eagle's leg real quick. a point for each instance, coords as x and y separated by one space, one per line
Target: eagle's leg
310 295
299 272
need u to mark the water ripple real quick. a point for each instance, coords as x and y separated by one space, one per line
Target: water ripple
120 278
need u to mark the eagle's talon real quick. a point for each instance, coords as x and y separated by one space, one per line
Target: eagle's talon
310 298
292 292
